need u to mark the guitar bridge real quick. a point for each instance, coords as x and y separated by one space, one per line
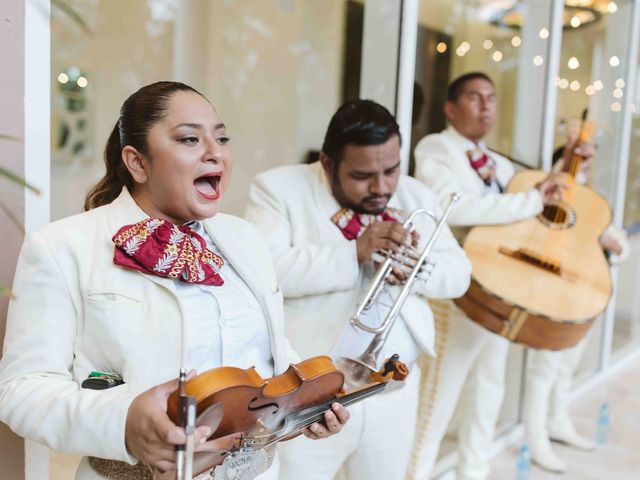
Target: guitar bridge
527 256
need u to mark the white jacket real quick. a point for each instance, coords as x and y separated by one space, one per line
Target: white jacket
442 164
75 312
318 267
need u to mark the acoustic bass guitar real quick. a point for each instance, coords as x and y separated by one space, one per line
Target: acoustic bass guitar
543 281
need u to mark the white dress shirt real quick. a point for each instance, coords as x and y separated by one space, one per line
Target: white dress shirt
225 324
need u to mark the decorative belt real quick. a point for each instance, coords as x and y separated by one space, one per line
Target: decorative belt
116 470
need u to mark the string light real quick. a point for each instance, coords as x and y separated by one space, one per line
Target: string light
563 83
465 46
487 44
612 7
573 63
460 51
614 61
616 107
598 85
617 93
590 90
441 47
516 41
544 33
497 56
620 83
538 60
575 21
63 78
575 85
82 82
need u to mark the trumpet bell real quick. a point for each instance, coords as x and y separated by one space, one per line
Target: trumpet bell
356 372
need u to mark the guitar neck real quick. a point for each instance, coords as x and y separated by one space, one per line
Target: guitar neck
586 132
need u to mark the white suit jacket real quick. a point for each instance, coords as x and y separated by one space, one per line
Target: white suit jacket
75 312
317 266
443 165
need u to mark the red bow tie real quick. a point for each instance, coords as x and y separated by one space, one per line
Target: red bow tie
353 224
167 250
483 164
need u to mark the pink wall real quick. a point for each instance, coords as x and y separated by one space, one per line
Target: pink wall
11 196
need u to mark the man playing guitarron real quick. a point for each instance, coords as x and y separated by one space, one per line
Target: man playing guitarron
458 160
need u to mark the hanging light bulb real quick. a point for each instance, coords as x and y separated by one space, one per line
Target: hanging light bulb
620 83
614 61
598 85
538 60
441 47
612 7
575 21
487 44
497 56
516 41
544 33
575 85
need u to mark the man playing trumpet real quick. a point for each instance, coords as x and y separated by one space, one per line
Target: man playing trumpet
328 224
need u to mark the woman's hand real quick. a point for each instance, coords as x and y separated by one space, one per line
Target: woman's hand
150 435
334 420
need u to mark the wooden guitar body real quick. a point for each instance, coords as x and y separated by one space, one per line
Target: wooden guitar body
542 281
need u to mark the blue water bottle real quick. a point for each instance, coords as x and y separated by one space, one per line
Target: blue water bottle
523 464
602 434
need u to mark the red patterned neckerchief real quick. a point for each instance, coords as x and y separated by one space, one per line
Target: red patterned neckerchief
167 250
483 164
353 224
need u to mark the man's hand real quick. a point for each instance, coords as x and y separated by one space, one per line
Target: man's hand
150 435
334 420
610 243
586 150
551 188
381 236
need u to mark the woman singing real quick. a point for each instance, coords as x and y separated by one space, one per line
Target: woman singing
150 274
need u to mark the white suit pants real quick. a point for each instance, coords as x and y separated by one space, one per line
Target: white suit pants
471 353
549 380
374 445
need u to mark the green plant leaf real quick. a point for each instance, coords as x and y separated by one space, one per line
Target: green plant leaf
9 137
75 16
15 220
5 292
16 179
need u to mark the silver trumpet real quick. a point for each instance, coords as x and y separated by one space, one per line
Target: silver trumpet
357 370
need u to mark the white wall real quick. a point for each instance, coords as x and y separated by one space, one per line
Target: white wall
274 75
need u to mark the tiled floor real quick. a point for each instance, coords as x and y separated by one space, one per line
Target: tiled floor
619 459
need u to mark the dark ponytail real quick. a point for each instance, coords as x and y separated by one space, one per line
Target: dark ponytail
138 114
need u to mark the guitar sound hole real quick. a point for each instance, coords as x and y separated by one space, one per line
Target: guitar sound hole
557 216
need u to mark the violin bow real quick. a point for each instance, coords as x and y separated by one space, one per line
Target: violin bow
184 452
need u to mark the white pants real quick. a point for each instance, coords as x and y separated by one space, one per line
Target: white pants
475 354
549 380
374 445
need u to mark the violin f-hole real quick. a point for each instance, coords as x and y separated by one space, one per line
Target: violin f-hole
260 407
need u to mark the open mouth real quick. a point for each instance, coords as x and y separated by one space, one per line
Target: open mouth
208 186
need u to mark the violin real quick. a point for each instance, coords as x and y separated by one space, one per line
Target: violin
252 413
